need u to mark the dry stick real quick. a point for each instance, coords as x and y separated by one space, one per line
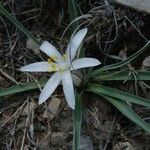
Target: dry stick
27 124
116 24
13 133
30 18
113 125
9 38
31 118
77 19
13 46
46 136
23 139
136 29
13 114
8 76
30 11
19 26
48 122
32 142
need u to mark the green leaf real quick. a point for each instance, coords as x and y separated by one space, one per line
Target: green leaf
124 62
120 75
128 112
77 122
22 87
73 13
117 94
17 23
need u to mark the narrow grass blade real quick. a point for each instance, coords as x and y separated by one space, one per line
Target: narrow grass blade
124 62
77 122
22 87
17 23
117 94
128 112
73 13
120 75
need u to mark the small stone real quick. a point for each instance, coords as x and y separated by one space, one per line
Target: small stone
124 145
85 143
140 5
67 125
58 138
54 105
146 62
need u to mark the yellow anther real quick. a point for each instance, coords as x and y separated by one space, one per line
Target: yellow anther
54 69
50 61
53 66
54 57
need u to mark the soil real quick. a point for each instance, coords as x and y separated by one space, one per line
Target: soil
26 125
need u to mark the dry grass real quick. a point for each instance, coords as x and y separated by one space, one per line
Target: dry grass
24 124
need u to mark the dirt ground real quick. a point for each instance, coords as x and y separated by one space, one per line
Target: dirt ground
26 125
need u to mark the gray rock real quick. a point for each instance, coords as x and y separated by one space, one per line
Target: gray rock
125 145
140 5
58 138
85 143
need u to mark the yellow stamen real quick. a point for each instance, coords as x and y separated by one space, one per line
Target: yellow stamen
53 69
53 65
50 61
54 57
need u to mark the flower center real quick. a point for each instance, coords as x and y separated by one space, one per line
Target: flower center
62 66
65 65
53 65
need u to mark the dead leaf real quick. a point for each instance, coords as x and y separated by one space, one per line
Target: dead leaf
123 145
53 107
146 62
27 109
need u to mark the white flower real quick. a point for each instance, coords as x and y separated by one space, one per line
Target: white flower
61 65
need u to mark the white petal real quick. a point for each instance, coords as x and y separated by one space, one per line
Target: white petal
36 67
84 63
75 43
51 51
49 87
68 89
